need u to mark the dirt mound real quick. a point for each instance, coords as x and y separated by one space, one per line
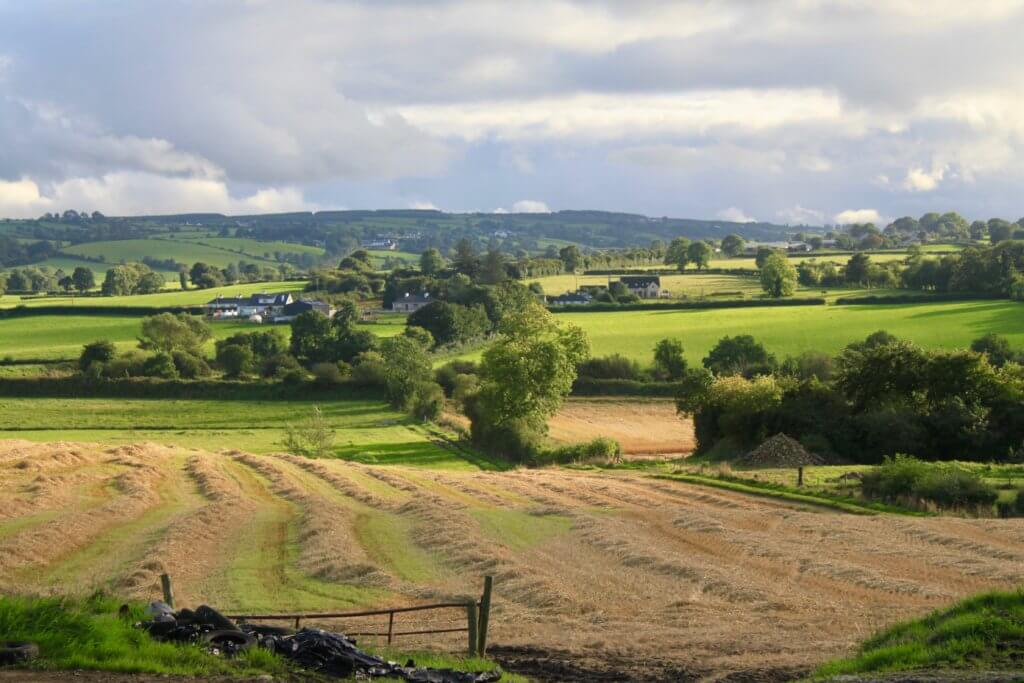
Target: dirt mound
780 451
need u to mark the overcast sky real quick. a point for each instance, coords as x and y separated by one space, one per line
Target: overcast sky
788 111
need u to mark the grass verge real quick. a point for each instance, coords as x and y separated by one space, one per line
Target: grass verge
846 504
87 633
985 632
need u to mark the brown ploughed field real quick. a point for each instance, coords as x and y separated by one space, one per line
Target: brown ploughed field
610 574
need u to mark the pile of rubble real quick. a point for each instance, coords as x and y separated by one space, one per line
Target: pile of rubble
323 652
780 451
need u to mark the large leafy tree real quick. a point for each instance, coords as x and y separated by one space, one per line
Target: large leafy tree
527 373
669 361
83 279
168 332
676 254
699 254
778 276
571 258
431 262
733 245
739 355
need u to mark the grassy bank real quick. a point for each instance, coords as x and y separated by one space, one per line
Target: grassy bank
89 634
984 633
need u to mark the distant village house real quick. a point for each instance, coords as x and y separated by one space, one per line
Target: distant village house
410 303
643 286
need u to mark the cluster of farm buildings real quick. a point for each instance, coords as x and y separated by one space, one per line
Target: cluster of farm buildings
263 308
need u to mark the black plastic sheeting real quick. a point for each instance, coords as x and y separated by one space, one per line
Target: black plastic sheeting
327 653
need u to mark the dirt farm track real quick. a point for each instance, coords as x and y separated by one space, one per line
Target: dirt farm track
601 572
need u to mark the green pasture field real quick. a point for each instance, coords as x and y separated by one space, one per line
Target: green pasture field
366 431
792 330
61 337
174 297
182 251
700 285
256 248
689 284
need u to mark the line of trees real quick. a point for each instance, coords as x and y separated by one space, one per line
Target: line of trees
878 397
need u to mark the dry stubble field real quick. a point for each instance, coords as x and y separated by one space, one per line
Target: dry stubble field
608 571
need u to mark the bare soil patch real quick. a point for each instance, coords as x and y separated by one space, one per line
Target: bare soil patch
644 427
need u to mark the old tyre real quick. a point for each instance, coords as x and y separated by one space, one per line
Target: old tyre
17 651
266 630
229 642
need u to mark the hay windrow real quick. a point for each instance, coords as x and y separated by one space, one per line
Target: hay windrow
649 570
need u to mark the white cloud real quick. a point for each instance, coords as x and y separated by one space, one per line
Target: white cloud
134 193
526 206
735 215
919 180
801 215
612 116
858 216
21 199
423 206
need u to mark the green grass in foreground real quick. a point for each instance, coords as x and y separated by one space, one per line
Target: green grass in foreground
847 504
87 633
984 632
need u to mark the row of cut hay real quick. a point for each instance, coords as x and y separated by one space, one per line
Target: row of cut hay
192 548
329 548
342 483
137 491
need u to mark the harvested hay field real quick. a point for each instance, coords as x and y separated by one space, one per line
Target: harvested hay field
602 574
643 427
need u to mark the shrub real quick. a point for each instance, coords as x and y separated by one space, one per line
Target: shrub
448 374
235 360
615 366
160 365
280 365
313 438
904 477
126 365
599 449
427 401
189 365
96 352
369 370
329 374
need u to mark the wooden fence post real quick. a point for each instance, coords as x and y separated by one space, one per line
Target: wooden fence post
472 623
165 583
799 476
485 614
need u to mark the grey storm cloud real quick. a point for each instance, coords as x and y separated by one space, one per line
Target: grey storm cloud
774 109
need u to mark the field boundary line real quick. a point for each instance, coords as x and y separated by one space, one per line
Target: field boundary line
789 496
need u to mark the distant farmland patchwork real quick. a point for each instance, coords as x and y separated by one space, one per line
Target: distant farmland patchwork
785 331
749 585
